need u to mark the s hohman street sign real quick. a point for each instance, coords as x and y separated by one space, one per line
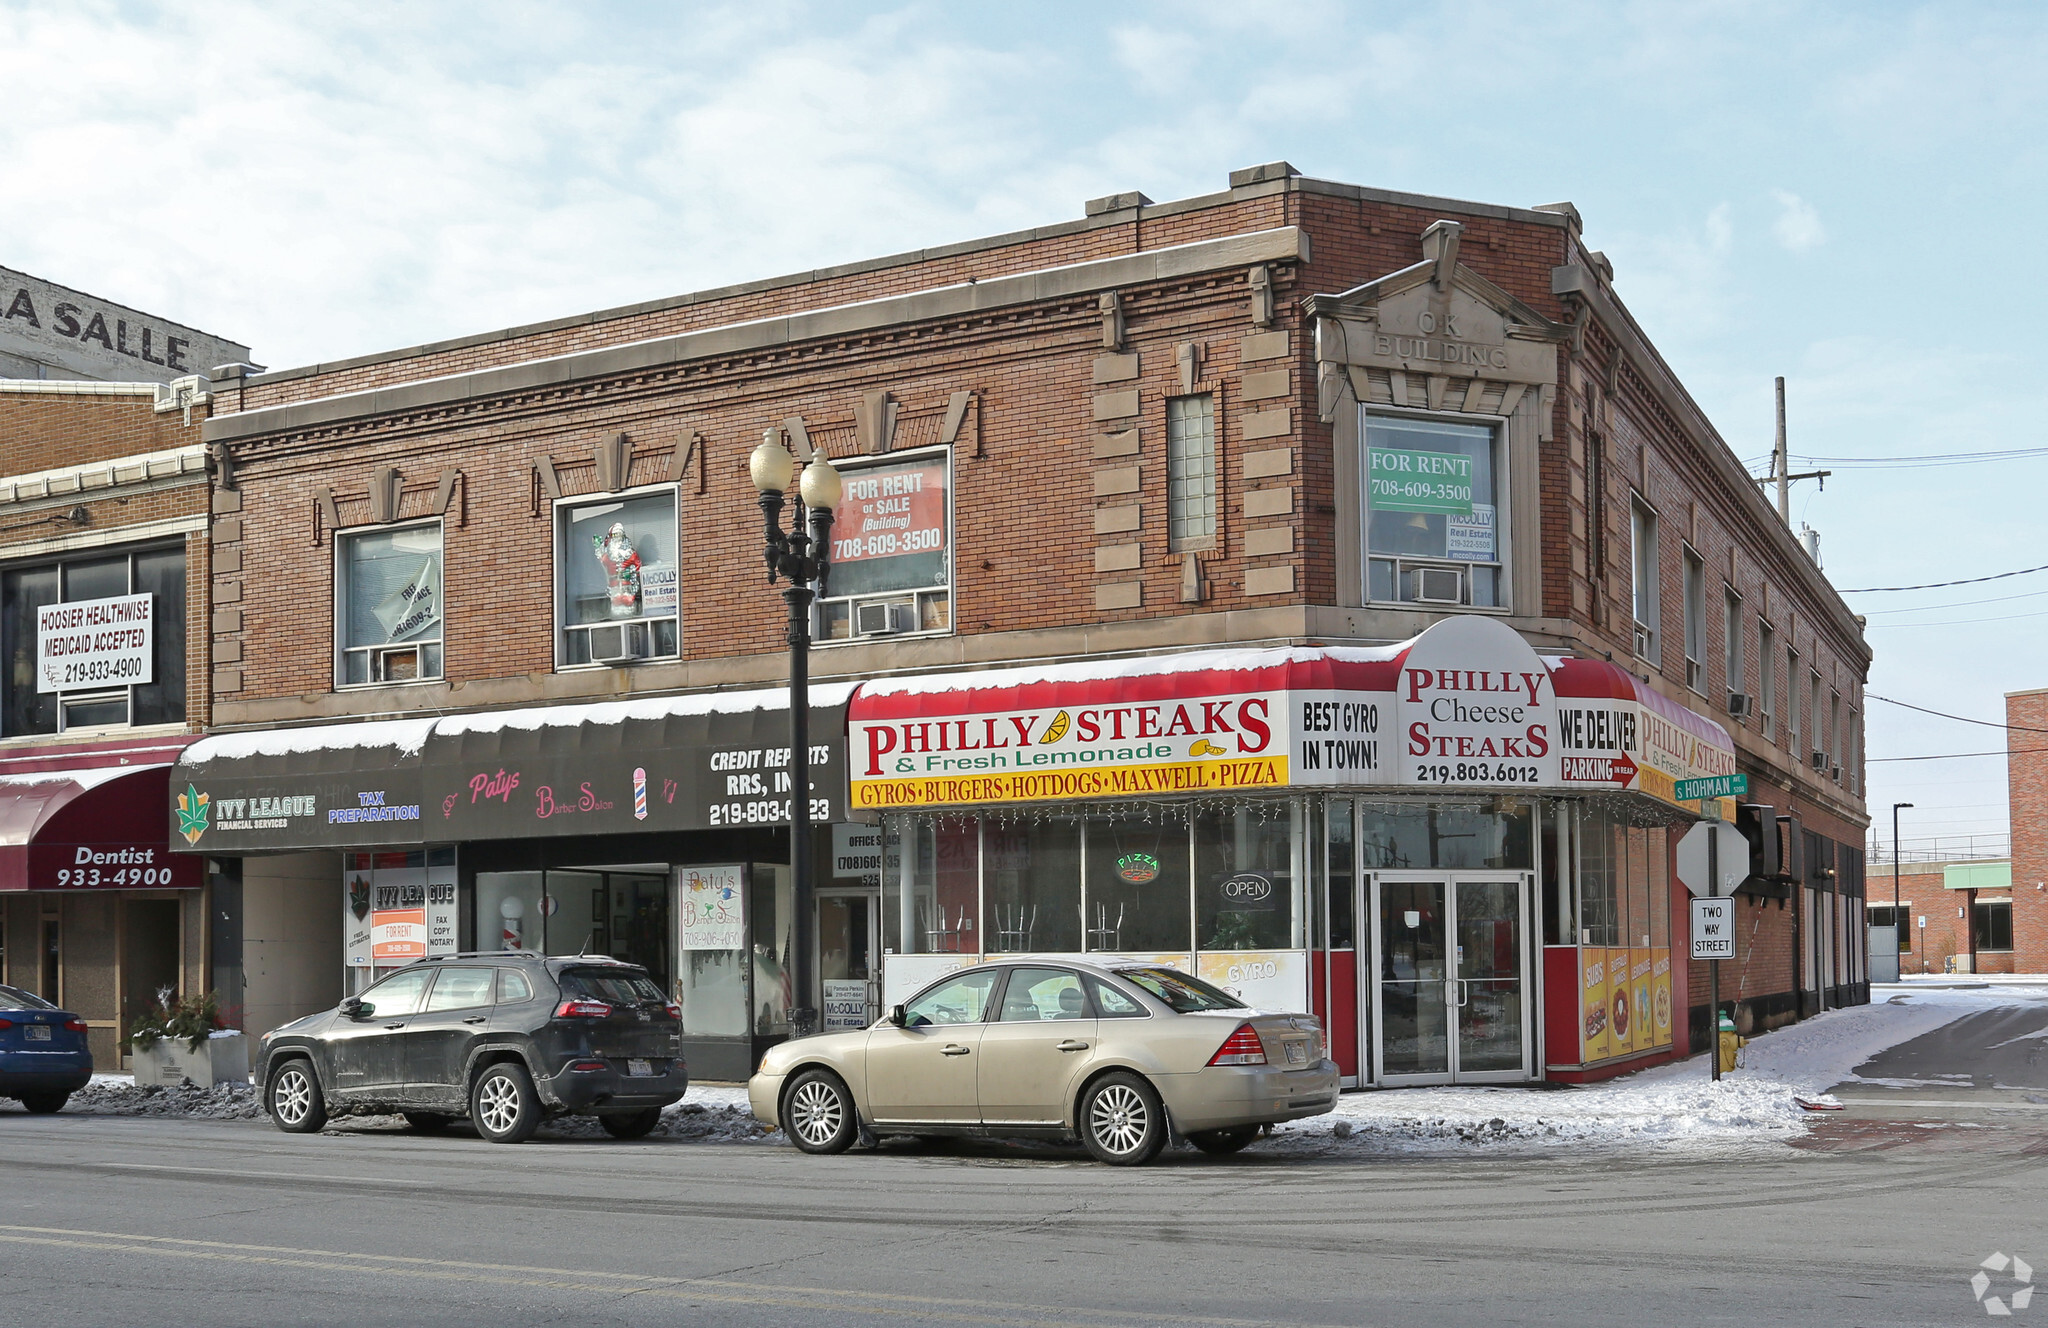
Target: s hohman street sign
1713 786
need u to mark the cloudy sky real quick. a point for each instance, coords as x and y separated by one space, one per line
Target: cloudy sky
1849 195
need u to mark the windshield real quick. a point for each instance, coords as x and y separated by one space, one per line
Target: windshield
14 998
618 986
1182 994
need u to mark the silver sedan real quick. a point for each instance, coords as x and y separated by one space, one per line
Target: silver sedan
1124 1056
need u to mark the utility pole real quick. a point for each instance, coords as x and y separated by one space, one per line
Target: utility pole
1781 465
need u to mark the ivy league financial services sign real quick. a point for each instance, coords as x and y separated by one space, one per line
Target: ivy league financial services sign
1467 704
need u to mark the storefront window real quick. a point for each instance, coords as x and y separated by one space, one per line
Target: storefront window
1247 882
1138 884
1033 877
1340 889
399 908
940 873
1457 836
892 550
1433 512
772 908
389 586
90 702
616 561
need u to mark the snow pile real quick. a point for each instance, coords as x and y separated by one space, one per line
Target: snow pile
708 1115
1675 1104
111 1095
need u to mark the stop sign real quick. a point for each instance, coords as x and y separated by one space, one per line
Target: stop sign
1692 858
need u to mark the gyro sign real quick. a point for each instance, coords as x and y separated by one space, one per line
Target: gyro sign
95 643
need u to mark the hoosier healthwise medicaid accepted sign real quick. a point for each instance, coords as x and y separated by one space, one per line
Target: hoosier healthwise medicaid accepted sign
95 643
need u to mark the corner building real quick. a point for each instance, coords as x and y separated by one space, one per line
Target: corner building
1317 587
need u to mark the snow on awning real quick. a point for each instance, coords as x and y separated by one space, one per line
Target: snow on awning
96 828
1467 705
669 763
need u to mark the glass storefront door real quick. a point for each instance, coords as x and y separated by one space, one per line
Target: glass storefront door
1449 978
849 978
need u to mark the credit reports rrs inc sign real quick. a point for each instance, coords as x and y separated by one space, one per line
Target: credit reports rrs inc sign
1466 704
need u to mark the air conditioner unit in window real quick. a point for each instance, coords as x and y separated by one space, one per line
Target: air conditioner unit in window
618 643
1835 773
884 618
1820 761
1646 641
1741 705
1437 585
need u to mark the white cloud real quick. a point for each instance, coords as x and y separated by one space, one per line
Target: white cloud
1798 225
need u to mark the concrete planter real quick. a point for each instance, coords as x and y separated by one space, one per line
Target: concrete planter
221 1059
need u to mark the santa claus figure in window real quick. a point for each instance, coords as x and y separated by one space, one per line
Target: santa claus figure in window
621 570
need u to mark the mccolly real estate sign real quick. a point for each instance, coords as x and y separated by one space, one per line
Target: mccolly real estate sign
1466 704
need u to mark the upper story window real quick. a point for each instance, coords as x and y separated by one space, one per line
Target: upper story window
1643 535
1731 604
388 604
1433 502
1792 702
1190 473
118 660
1766 675
616 578
892 549
1695 622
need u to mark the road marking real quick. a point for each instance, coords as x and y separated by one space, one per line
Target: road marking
717 1290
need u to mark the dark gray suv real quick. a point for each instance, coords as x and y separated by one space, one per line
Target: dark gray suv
507 1038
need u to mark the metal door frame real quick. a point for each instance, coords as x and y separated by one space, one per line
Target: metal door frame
1372 1045
873 895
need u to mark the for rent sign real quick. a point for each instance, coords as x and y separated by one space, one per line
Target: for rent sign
95 643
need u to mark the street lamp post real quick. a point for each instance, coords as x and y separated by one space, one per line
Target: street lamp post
803 560
1897 921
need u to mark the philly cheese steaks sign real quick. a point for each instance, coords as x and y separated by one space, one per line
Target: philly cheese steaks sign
1468 704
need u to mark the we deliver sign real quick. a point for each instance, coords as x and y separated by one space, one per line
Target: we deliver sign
95 643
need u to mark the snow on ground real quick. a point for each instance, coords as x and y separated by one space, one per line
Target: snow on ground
1670 1106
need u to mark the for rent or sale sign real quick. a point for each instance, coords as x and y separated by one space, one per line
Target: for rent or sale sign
95 643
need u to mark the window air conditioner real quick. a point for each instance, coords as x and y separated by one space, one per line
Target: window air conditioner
1741 705
884 618
1438 585
1646 641
1835 773
618 643
1820 761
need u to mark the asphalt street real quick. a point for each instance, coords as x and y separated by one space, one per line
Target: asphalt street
116 1220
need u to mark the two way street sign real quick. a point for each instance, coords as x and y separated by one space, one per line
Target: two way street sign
1713 929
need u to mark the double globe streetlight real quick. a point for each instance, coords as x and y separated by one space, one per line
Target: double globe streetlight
802 557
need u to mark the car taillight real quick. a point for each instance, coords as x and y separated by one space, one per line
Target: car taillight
6 1023
1241 1048
587 1066
675 1009
581 1009
75 1025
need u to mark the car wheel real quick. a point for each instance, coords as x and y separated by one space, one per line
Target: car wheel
1123 1122
427 1122
42 1104
503 1105
1224 1141
818 1114
296 1104
630 1124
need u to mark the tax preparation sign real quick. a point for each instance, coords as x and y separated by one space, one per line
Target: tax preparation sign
93 644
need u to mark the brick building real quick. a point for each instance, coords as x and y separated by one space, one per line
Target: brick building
103 622
2026 714
1273 447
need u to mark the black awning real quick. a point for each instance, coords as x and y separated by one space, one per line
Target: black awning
677 763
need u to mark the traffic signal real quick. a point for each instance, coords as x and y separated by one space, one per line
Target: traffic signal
1758 823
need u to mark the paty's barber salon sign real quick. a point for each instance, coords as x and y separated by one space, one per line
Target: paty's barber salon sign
1467 704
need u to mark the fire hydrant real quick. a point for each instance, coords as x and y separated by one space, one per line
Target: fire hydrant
1730 1044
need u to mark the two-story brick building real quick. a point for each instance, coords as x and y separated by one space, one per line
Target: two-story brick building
1318 586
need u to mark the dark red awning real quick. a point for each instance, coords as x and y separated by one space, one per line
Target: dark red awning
98 828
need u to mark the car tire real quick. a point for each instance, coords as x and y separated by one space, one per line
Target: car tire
503 1105
42 1104
818 1113
630 1124
294 1099
427 1122
1224 1141
1122 1120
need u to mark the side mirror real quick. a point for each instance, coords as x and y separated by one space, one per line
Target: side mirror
896 1016
355 1008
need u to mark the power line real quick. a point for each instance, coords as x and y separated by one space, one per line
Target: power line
1957 604
1960 719
1930 459
1961 622
1937 585
1957 756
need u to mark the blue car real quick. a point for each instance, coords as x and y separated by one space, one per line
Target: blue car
43 1055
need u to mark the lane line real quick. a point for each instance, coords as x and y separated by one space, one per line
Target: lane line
724 1291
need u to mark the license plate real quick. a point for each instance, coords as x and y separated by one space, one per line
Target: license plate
640 1069
1297 1053
39 1032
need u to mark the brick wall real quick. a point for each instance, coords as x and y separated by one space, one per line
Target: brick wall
2027 772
